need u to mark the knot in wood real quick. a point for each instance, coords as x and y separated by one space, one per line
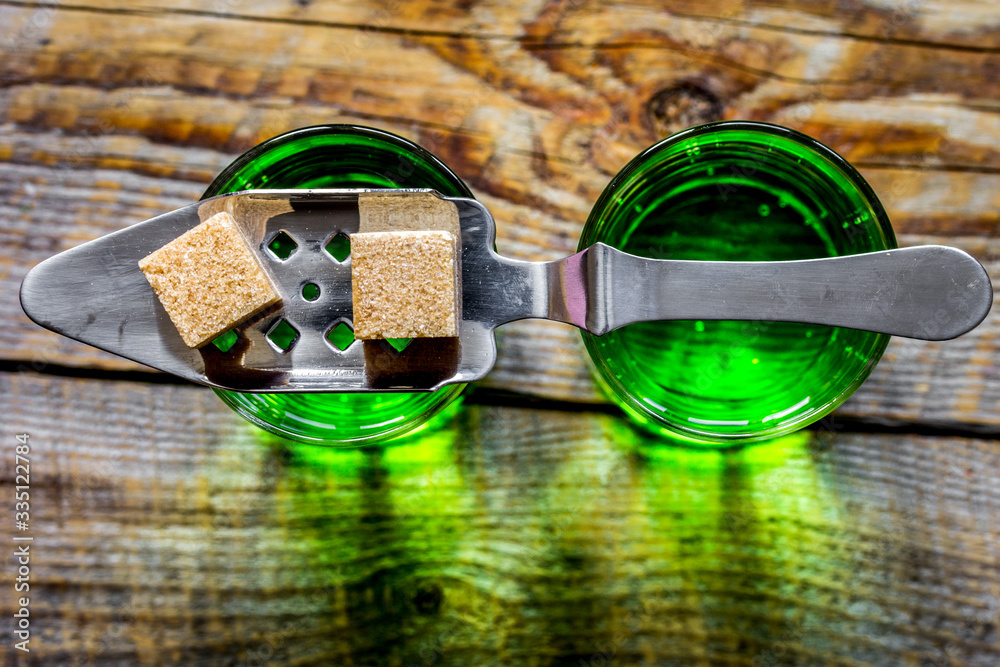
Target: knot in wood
428 598
682 106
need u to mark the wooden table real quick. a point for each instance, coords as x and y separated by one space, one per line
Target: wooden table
536 526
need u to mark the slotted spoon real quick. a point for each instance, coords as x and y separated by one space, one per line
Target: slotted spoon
96 294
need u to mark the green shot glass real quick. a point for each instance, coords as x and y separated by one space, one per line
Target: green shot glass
339 156
735 191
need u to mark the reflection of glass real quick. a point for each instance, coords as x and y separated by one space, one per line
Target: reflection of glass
339 156
735 191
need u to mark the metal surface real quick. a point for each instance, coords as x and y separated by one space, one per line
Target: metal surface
96 294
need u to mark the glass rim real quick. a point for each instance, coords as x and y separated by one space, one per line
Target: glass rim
639 161
257 150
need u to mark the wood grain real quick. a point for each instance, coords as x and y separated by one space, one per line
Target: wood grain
111 114
168 531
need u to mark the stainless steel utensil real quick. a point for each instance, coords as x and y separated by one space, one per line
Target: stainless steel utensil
96 294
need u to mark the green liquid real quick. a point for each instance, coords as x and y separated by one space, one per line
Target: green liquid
341 336
282 245
226 341
337 156
283 335
735 191
339 247
310 291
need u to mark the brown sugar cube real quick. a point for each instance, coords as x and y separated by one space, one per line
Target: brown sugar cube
405 284
209 280
410 212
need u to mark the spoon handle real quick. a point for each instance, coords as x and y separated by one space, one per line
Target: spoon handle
929 292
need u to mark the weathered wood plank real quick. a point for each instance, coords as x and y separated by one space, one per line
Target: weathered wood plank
968 24
536 106
443 82
168 531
